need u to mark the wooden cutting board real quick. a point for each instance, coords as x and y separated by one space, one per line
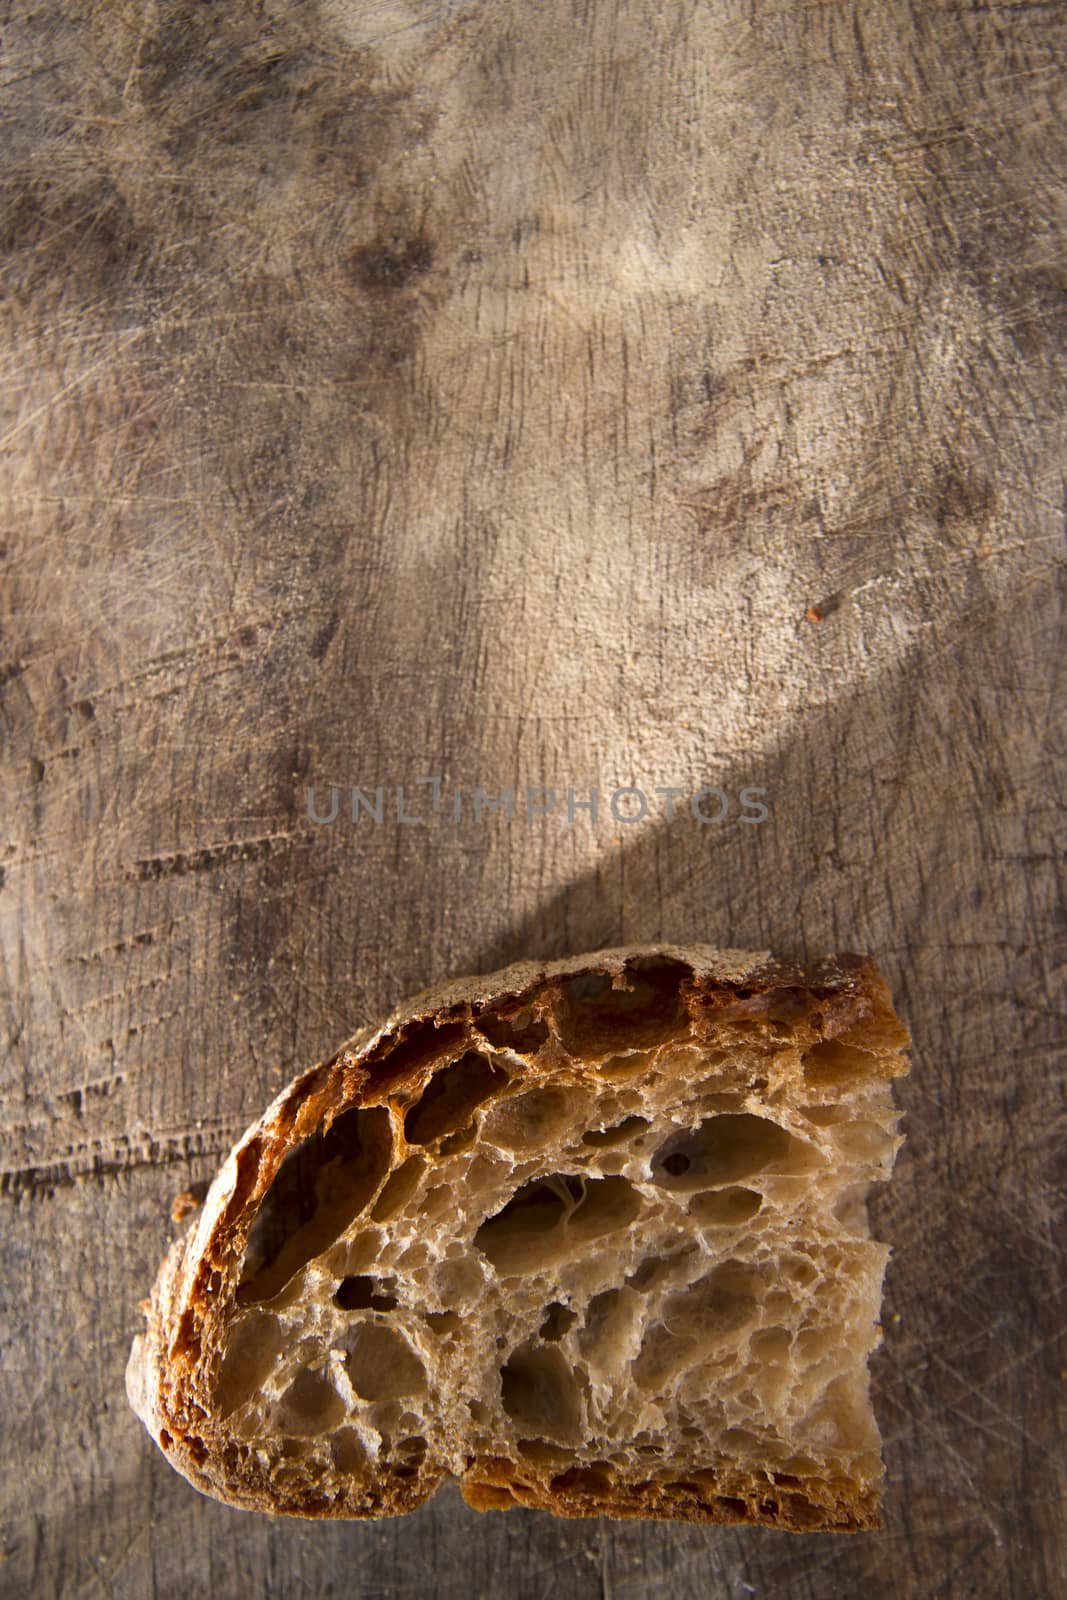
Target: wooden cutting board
554 398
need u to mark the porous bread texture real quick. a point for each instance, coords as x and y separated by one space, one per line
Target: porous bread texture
590 1236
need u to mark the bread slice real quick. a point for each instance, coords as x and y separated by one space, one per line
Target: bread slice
589 1236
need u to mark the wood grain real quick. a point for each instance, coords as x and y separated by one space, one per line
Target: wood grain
395 391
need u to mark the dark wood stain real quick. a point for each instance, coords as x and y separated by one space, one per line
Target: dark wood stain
392 263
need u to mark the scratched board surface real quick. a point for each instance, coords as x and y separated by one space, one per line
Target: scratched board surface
590 394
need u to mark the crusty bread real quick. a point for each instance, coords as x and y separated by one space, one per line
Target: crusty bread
590 1236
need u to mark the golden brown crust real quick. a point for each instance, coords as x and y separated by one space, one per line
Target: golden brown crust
168 1372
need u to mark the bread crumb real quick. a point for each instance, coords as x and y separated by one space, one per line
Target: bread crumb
188 1200
813 614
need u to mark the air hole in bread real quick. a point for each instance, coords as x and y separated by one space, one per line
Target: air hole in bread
608 1205
488 1496
663 1355
399 1188
711 1312
605 1138
716 1306
388 1418
450 1097
524 1233
829 1064
740 1442
296 1449
533 1118
416 1256
436 1203
589 988
443 1323
460 1281
732 1509
361 1293
547 1219
350 1256
412 1448
423 1045
725 1208
317 1193
611 1334
255 1342
656 1271
455 1143
381 1365
541 1453
813 1344
797 1269
522 1032
595 1017
595 1479
723 1150
627 1066
348 1451
824 1116
559 1319
540 1394
771 1344
863 1141
311 1405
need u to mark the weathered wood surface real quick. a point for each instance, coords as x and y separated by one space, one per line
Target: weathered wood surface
406 390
